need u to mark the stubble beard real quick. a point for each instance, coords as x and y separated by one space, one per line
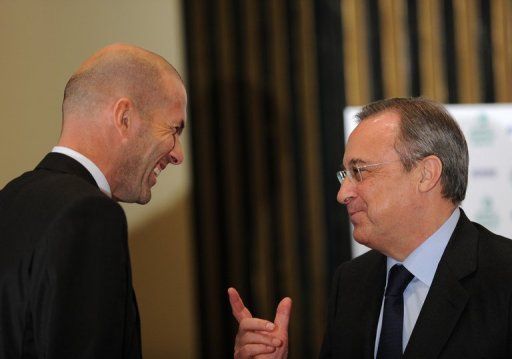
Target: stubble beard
132 176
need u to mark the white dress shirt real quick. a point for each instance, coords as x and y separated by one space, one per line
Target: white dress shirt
422 263
95 172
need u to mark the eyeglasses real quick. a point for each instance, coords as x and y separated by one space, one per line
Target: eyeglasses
355 174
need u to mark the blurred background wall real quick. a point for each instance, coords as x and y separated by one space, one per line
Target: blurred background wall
42 43
253 206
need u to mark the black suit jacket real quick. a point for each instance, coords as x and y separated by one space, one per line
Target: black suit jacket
467 312
65 275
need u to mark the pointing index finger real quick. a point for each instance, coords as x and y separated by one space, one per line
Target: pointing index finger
237 305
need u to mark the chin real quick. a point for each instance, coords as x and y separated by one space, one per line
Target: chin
144 199
361 238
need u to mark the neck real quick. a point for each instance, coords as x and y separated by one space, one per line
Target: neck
97 152
426 223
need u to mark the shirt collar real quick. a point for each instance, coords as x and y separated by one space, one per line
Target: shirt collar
423 261
95 172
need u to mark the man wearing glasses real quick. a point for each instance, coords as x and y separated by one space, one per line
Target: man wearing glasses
65 275
435 285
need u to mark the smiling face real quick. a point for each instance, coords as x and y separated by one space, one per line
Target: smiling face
381 206
155 143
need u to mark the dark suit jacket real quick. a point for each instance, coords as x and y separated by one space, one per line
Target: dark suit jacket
65 275
467 312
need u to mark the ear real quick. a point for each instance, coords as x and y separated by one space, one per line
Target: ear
431 168
123 111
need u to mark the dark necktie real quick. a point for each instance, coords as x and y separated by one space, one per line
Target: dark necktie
390 343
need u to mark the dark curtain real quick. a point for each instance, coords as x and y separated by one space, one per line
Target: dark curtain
268 81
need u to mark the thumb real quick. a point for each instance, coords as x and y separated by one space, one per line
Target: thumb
283 312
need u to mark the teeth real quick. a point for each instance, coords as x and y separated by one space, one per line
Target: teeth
157 170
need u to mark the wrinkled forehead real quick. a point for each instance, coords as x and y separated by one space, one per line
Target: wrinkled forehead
373 139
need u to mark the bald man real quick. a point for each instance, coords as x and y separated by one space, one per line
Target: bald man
65 276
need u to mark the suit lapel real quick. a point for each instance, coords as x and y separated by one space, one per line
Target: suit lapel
377 282
447 298
362 308
59 162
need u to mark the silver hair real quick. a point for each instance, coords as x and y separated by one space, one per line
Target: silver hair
426 128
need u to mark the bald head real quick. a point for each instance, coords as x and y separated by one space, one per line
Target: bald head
116 71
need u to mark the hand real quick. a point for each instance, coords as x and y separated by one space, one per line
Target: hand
259 338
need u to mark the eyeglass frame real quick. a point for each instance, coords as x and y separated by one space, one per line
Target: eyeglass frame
343 174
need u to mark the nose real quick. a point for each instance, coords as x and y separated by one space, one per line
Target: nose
176 154
346 191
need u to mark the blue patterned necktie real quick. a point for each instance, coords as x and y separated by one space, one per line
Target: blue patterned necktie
390 343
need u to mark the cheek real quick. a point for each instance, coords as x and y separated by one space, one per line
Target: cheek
155 150
380 203
391 204
164 146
